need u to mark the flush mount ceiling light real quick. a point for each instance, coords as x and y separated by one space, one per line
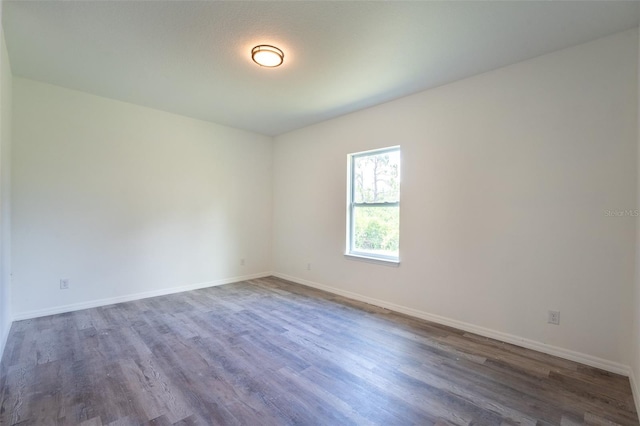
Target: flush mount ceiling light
267 56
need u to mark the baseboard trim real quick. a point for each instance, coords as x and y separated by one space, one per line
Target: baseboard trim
635 390
130 297
3 343
582 358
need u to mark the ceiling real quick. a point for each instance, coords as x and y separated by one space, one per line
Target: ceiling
193 58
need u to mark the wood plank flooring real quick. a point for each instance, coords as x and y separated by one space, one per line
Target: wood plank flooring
270 352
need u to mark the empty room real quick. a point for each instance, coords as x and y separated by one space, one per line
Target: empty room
319 213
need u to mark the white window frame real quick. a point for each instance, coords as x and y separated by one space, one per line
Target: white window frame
351 252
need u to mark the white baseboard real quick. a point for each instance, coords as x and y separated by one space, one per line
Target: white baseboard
4 335
582 358
129 297
634 388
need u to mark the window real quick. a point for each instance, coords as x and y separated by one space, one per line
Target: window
373 216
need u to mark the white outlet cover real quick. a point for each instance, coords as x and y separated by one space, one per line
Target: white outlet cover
554 317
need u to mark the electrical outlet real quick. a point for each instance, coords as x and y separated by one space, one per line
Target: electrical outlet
64 283
308 266
554 317
242 262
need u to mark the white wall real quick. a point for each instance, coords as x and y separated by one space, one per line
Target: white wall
125 200
506 180
634 342
5 160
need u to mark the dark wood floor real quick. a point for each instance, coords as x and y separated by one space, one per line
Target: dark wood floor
269 352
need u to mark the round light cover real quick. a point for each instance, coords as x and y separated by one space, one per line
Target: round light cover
267 56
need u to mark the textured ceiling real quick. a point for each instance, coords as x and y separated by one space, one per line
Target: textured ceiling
193 58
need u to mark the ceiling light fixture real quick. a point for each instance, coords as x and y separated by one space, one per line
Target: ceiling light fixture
267 56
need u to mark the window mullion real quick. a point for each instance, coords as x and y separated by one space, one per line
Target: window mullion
395 204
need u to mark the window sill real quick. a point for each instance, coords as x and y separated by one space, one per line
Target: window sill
375 260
